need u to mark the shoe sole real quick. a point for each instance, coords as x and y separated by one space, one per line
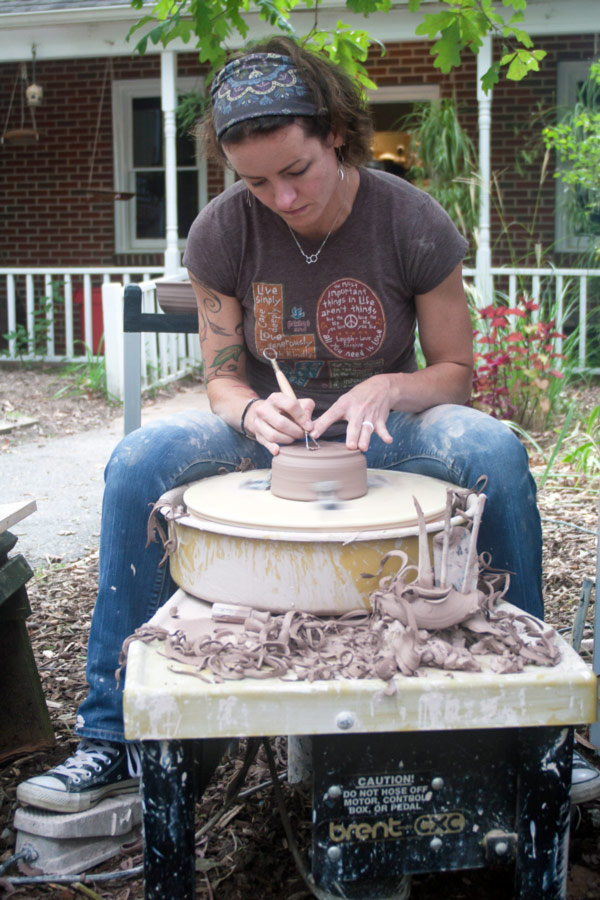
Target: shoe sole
63 802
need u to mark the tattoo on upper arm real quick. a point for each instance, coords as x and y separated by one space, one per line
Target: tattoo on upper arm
223 356
226 359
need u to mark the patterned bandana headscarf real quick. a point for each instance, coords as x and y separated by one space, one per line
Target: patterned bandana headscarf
260 84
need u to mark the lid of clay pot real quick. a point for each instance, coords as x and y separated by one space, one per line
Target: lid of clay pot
243 499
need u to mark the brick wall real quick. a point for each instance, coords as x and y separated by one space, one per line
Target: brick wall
44 222
522 205
519 111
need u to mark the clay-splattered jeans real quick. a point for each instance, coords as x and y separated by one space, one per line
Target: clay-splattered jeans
453 443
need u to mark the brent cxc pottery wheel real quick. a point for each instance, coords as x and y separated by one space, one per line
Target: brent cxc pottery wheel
239 543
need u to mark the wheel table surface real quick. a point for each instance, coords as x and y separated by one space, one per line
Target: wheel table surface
163 704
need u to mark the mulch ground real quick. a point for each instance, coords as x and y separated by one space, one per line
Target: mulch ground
245 856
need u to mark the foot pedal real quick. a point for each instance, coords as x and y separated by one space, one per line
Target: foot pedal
68 843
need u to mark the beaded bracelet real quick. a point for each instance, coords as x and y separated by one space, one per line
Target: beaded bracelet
243 419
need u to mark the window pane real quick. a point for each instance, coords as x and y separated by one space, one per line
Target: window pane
390 146
147 132
388 116
187 200
186 150
586 208
150 205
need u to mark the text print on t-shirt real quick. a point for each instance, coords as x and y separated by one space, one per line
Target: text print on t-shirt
268 327
350 322
350 319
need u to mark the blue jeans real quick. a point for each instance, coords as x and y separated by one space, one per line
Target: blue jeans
454 443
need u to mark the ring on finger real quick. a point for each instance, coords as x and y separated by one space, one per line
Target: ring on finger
370 424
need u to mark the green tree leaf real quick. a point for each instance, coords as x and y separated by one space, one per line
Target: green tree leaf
368 7
433 23
456 25
447 48
491 77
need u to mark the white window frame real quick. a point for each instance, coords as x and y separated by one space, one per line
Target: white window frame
123 92
404 93
569 74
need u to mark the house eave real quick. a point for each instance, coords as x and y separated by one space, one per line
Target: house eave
101 31
68 16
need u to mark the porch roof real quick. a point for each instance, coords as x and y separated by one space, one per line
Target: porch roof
38 6
67 29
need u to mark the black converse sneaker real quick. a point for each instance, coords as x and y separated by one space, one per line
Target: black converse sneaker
96 770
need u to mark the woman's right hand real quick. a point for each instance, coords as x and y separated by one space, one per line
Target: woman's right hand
279 419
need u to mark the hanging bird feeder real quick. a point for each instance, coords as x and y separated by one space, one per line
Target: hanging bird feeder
23 134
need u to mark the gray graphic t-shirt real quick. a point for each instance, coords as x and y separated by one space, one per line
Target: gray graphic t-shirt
346 317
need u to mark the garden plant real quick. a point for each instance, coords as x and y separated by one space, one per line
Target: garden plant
516 363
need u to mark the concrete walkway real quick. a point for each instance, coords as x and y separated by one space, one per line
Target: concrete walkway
65 477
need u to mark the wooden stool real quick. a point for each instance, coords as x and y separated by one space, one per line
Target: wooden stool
455 770
25 723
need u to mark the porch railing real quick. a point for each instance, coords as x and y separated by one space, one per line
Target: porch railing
59 314
51 314
164 357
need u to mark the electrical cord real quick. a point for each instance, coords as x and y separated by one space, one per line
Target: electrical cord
27 853
75 879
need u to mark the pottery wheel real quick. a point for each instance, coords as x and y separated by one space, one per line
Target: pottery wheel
301 474
243 499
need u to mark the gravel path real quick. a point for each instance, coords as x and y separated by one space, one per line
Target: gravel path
65 476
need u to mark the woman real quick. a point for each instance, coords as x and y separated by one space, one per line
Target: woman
326 267
332 265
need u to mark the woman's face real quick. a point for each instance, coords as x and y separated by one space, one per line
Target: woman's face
293 175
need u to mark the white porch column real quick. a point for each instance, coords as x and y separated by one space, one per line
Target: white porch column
168 93
483 279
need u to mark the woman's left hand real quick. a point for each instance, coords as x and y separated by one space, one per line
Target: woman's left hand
447 343
365 408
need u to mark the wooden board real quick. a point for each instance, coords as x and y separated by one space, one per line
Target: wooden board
8 425
11 513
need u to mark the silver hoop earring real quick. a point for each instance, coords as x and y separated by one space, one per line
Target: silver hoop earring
339 152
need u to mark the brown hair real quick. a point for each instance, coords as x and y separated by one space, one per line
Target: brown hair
342 107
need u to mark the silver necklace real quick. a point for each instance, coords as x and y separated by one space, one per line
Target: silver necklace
313 257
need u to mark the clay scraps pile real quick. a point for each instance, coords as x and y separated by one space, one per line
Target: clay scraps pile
413 623
357 645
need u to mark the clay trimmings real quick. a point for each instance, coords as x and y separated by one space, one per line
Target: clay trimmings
412 624
359 644
301 474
